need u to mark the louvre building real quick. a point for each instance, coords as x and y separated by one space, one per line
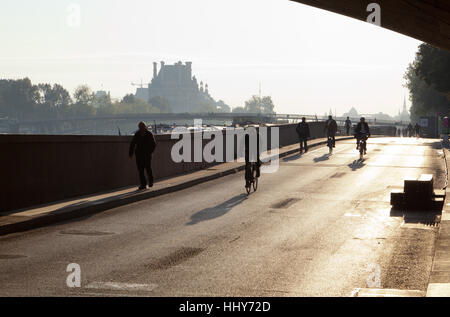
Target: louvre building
176 84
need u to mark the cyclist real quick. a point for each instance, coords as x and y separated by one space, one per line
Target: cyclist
331 129
361 130
251 156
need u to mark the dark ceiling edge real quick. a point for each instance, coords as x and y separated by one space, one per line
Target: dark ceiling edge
432 33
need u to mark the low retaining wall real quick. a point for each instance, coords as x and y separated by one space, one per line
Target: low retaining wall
38 169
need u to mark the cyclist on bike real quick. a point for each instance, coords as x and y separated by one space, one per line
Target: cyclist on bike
331 129
362 130
251 156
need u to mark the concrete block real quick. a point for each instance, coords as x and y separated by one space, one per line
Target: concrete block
421 188
437 203
397 200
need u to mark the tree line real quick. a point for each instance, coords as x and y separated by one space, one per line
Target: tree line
22 100
257 104
428 80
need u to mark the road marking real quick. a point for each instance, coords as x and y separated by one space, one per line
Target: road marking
438 290
102 294
352 215
121 286
86 232
380 292
445 216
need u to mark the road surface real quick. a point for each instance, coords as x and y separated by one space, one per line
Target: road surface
320 226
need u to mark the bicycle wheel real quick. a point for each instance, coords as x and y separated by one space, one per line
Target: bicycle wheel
361 150
255 179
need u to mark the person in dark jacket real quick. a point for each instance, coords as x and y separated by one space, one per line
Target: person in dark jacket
331 129
410 130
143 145
417 130
361 130
303 134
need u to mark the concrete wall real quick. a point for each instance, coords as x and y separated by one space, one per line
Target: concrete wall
38 169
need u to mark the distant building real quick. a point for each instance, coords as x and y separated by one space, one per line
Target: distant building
404 115
101 98
381 116
176 84
100 93
142 93
352 113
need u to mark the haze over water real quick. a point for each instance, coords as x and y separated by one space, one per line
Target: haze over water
308 60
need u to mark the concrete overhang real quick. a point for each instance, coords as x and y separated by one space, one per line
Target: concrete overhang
425 20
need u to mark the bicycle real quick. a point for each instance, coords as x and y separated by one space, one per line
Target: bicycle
253 182
362 145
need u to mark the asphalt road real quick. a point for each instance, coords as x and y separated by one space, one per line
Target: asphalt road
320 226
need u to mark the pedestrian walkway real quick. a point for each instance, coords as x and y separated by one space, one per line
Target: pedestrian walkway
26 219
439 284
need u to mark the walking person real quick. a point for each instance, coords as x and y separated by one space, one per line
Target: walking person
410 130
143 145
417 130
348 125
331 129
303 134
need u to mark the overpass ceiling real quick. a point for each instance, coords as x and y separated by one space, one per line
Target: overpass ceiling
425 20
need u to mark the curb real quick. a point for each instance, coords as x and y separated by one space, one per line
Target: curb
439 282
98 206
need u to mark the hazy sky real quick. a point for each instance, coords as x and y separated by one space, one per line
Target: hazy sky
308 60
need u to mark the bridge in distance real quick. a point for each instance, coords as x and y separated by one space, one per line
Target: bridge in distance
128 121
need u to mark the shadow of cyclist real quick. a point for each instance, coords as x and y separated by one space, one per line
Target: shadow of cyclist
293 157
356 165
324 157
216 211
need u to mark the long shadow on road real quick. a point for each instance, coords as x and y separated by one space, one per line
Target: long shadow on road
216 211
425 217
324 157
356 165
293 157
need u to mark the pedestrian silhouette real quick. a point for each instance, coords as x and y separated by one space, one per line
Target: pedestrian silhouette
143 145
303 134
348 125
